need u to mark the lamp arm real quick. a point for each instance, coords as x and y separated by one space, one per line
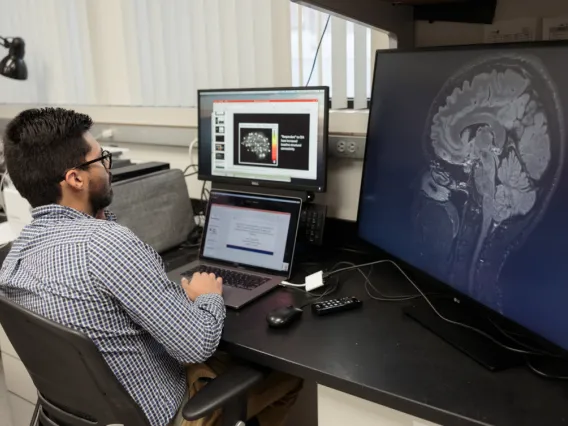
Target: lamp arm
4 42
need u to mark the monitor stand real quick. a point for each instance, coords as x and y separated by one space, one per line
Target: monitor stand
305 196
474 345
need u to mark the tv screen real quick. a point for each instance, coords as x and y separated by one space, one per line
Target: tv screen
465 174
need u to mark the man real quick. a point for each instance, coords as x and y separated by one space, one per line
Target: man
75 265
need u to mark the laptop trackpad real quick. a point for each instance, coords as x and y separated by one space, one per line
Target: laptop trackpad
230 291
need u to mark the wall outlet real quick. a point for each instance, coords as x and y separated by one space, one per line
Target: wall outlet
352 147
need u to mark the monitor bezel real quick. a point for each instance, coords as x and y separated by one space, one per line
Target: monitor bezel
457 294
266 183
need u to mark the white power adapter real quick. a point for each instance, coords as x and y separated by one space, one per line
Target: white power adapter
314 281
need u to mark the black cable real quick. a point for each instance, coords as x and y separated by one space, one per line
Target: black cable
318 49
203 199
527 351
518 342
195 170
354 266
542 373
190 246
193 240
332 288
460 324
441 316
381 297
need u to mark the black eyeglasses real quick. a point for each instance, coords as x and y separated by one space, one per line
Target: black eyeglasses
105 158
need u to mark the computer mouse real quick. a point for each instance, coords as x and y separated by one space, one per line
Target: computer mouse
283 317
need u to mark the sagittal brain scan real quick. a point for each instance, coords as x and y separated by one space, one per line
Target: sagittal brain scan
492 168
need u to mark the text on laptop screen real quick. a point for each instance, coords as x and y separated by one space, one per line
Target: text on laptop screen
251 230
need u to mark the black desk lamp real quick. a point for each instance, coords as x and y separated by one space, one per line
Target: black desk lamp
13 65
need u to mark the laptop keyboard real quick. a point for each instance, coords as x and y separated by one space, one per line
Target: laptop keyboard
230 278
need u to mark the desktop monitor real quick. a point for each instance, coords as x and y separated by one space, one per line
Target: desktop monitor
264 137
464 175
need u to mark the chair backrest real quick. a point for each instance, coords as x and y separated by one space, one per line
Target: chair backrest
74 382
156 207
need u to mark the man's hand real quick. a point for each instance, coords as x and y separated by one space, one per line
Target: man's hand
201 284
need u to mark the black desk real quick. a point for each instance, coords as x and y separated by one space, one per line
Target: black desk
378 354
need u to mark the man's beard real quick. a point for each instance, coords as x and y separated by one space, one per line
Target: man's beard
101 201
102 197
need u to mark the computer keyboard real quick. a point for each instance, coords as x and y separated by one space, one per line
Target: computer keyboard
230 278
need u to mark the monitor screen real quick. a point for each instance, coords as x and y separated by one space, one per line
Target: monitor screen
464 176
264 137
252 230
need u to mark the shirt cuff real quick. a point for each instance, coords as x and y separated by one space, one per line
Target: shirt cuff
213 303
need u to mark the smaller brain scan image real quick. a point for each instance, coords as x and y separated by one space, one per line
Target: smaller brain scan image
257 143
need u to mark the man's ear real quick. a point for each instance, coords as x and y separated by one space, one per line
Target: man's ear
74 179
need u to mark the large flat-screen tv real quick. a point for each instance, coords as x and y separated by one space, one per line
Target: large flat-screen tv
465 174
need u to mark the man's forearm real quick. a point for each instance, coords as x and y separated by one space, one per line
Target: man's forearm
212 314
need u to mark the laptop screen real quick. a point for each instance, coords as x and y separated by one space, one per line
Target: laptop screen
252 230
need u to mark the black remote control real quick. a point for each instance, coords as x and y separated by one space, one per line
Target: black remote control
336 305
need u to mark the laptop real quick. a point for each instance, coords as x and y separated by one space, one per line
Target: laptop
249 241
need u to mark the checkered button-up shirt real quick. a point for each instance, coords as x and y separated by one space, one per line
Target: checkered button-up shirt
97 277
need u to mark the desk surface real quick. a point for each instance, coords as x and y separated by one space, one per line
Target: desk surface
379 354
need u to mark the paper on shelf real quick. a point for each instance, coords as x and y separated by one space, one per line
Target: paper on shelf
555 28
514 30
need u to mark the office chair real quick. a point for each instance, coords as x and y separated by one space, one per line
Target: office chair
155 207
77 388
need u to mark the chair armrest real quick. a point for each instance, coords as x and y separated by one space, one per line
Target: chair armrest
233 383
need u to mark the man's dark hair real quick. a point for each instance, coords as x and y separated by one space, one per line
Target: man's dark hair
40 145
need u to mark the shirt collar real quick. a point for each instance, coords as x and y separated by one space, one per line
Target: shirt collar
56 211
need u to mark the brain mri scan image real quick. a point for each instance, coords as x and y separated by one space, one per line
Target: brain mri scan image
257 143
491 167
